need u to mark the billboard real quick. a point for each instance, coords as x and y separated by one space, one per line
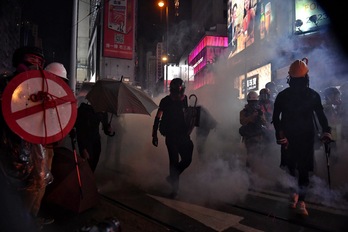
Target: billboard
309 16
254 80
247 21
207 51
118 29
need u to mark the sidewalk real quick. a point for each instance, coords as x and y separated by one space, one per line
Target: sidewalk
66 221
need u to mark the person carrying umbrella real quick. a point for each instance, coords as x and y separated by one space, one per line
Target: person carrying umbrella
87 133
170 120
293 113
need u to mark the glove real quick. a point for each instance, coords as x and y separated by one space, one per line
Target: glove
284 142
155 141
326 138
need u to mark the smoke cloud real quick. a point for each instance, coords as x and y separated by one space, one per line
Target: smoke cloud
218 172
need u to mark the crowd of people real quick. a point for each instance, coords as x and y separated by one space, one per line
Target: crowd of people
287 118
295 115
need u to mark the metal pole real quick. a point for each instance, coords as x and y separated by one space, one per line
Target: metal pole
166 90
73 56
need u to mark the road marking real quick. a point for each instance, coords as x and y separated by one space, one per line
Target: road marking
214 219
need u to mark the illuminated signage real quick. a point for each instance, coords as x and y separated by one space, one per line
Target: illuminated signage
198 62
207 51
251 83
247 20
208 41
254 80
118 29
309 16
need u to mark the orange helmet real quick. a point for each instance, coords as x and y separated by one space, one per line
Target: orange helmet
299 68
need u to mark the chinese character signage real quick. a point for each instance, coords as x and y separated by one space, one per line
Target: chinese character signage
118 29
248 21
251 83
309 16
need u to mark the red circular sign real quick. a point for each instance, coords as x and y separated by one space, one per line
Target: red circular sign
39 107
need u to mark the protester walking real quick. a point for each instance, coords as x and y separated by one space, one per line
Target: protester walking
273 90
332 109
87 133
252 130
294 108
170 120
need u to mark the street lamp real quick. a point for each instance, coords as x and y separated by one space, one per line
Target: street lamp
162 4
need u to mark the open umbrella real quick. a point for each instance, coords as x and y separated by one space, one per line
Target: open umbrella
66 190
117 97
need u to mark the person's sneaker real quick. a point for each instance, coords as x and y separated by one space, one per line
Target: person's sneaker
301 208
293 200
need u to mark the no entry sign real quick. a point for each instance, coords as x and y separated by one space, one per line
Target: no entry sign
39 107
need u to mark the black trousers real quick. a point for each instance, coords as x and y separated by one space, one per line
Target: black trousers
180 150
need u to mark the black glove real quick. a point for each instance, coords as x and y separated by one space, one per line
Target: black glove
155 141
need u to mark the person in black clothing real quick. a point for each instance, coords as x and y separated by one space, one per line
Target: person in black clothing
22 165
87 133
293 113
170 119
253 121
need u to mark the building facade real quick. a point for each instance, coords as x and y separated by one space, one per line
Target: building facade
264 37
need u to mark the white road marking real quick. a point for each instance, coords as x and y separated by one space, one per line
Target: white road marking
214 219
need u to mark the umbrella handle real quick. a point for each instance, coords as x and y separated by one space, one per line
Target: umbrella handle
73 134
193 95
111 118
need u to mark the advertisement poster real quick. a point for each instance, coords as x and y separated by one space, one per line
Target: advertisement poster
247 20
309 16
118 29
241 24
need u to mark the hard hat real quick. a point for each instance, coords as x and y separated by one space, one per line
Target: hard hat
177 86
57 69
252 96
299 68
330 92
18 55
265 94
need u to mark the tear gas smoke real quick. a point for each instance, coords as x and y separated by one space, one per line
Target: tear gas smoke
218 173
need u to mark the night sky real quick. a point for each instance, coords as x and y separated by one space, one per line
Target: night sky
55 24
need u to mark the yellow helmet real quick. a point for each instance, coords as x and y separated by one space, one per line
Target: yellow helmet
299 68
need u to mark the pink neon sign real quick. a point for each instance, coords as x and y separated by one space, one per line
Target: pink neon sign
208 41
